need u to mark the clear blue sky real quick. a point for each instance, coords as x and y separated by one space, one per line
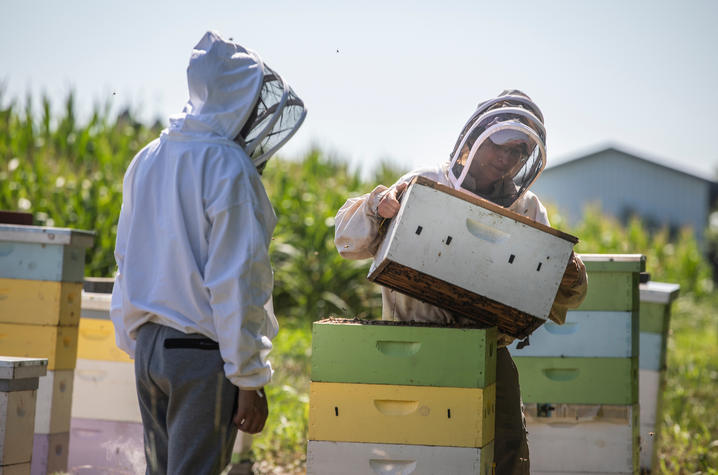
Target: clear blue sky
397 80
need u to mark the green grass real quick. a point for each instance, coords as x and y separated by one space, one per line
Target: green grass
688 436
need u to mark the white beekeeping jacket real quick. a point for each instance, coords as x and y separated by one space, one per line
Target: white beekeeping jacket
196 222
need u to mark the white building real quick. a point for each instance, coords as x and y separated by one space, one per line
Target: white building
625 184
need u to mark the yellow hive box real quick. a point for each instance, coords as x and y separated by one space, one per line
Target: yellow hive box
57 344
39 302
97 341
415 415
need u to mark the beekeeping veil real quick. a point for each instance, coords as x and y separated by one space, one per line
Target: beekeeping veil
277 115
235 95
510 126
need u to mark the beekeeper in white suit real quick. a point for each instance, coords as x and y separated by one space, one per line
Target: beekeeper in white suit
192 297
498 155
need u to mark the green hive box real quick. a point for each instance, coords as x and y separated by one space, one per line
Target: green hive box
402 353
655 318
612 281
578 380
656 300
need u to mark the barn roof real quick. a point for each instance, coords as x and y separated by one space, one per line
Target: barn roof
635 156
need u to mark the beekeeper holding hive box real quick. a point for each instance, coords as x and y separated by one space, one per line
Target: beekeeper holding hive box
498 155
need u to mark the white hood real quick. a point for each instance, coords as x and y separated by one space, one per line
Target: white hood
224 83
235 96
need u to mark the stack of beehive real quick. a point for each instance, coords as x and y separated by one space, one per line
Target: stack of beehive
579 381
401 398
41 274
106 423
656 299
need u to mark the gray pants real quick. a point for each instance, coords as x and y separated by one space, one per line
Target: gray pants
511 450
186 402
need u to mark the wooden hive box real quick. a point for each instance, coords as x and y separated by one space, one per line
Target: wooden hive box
42 253
402 353
469 256
613 282
578 380
347 458
585 334
391 414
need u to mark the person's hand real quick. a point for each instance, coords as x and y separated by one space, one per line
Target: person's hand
389 205
252 410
